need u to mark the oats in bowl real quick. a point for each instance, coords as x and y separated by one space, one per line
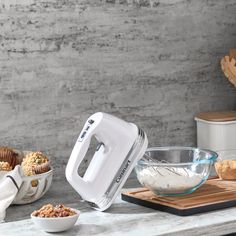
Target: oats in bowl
55 219
50 211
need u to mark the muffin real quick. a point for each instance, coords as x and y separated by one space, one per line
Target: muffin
11 156
5 166
35 163
226 169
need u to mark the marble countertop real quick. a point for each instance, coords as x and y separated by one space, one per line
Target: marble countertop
124 218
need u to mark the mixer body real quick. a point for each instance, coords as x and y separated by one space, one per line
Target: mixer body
121 145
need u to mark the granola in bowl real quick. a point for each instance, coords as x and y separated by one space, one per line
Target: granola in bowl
55 219
49 211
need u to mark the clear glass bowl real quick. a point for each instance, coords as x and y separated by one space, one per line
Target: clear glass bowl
174 171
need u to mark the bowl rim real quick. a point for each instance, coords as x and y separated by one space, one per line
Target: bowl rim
57 218
38 176
212 159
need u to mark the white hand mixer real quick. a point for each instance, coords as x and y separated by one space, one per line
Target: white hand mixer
121 145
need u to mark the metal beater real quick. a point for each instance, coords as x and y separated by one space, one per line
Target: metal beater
171 169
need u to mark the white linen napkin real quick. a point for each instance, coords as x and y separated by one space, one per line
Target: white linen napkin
10 183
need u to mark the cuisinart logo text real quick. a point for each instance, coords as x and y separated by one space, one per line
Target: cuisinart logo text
122 172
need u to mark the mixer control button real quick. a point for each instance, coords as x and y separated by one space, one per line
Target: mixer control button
91 121
82 135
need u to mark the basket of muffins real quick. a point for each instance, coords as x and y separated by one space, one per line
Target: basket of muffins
36 172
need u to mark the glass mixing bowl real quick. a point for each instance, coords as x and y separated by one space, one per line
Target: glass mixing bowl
174 171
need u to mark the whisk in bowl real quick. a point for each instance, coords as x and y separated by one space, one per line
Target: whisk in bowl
174 171
157 169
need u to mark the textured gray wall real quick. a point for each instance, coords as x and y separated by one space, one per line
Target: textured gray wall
157 66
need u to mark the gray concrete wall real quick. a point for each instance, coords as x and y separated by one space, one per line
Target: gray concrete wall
156 65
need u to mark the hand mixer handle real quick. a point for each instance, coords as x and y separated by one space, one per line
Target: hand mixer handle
78 153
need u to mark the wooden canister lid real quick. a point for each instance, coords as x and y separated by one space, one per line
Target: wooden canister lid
217 116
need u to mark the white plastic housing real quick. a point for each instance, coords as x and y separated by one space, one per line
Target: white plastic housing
122 144
216 136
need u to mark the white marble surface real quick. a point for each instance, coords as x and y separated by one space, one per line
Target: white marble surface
128 219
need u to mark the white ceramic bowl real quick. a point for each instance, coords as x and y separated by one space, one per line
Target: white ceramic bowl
27 193
57 224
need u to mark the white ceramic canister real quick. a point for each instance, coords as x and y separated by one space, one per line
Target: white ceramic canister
217 131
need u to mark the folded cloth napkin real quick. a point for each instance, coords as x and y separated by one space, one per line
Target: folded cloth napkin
10 183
